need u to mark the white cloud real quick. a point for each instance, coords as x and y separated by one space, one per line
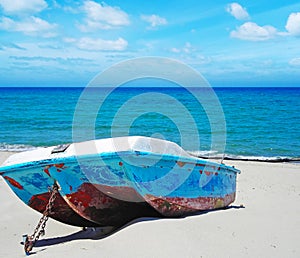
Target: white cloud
253 32
295 61
99 44
154 20
90 25
293 24
175 50
187 48
237 11
23 6
30 26
102 16
71 9
69 40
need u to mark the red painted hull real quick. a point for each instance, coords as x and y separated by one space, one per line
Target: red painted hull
177 206
94 205
60 211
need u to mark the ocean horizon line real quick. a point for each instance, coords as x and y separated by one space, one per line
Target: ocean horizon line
149 87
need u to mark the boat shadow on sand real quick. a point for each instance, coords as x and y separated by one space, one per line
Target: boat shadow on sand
103 232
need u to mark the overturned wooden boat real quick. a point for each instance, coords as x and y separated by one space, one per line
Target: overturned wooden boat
109 182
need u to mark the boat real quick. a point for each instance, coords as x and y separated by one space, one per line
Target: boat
110 182
32 185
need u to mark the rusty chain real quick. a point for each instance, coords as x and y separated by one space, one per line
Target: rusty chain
29 241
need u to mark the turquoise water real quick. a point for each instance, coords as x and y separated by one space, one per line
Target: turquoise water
260 122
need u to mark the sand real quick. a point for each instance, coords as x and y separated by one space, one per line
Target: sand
267 226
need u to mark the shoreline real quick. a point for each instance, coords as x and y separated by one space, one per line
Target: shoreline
277 159
267 224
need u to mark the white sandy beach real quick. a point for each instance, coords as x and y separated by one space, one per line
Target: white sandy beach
268 226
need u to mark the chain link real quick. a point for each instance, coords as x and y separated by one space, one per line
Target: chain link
40 228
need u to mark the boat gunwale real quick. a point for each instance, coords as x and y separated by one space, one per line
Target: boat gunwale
107 155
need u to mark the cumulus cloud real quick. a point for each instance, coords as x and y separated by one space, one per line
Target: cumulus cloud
154 20
293 24
237 11
30 26
22 6
253 32
92 44
102 16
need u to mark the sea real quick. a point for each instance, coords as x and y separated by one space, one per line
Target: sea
259 123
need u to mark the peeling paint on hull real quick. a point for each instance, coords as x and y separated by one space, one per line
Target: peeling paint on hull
61 211
104 210
172 207
113 188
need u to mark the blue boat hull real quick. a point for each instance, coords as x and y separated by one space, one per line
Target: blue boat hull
113 188
173 186
32 186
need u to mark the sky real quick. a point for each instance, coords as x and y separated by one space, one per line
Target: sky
67 43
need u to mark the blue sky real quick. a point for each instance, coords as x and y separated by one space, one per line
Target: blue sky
67 43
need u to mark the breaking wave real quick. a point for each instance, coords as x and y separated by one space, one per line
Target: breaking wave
16 147
215 155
